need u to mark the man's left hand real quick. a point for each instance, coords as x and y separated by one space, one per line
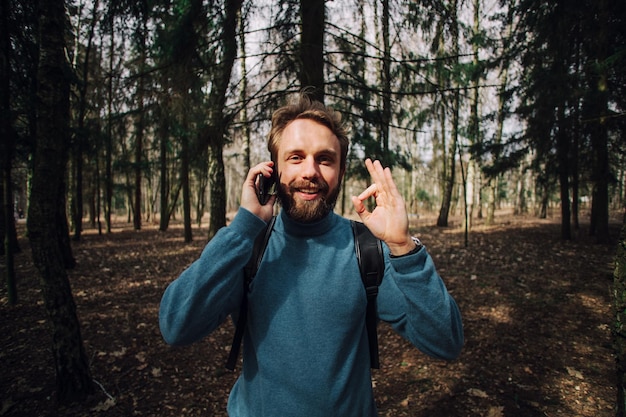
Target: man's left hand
388 221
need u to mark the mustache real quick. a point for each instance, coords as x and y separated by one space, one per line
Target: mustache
310 186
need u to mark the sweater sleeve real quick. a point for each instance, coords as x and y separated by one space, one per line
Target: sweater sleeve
211 288
414 300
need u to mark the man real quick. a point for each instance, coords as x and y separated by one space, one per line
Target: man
305 348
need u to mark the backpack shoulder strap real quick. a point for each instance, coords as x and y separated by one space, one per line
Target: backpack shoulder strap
249 273
369 254
258 250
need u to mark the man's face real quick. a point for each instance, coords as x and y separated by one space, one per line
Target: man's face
309 169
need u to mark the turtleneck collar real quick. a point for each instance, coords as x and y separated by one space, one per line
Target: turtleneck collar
317 228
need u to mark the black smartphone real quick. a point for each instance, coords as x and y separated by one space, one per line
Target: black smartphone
265 187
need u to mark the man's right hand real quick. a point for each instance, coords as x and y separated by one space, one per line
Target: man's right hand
249 199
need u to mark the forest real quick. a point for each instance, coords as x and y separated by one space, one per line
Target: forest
140 120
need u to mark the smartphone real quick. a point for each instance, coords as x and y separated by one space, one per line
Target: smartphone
265 187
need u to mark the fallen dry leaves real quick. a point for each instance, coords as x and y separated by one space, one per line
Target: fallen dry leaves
537 315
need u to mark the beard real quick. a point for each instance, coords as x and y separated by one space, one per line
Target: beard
307 211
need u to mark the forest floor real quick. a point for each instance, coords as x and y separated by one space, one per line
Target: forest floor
536 309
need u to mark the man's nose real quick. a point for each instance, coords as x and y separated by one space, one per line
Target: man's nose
310 168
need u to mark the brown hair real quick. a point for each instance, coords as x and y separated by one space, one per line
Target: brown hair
306 108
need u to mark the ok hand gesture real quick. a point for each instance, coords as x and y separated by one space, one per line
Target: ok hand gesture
388 221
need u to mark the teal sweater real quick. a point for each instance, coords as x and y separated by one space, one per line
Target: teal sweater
305 348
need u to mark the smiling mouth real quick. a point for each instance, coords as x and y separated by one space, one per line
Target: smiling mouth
308 194
308 190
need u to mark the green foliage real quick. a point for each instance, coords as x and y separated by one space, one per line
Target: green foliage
557 54
23 26
423 196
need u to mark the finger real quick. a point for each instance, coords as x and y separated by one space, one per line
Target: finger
379 174
265 168
390 184
372 168
368 192
359 207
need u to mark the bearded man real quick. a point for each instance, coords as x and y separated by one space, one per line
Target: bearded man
305 350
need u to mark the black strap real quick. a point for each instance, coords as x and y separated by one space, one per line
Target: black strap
249 271
369 253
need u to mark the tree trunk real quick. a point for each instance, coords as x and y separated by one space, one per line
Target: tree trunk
446 205
466 217
202 180
164 183
501 116
521 202
442 220
311 53
108 148
8 235
96 195
470 180
473 168
492 188
619 331
385 81
601 175
448 172
598 111
81 135
63 227
563 150
217 186
544 194
77 183
184 178
243 95
9 238
577 135
73 377
217 121
140 125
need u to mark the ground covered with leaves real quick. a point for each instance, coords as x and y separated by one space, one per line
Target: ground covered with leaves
537 315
